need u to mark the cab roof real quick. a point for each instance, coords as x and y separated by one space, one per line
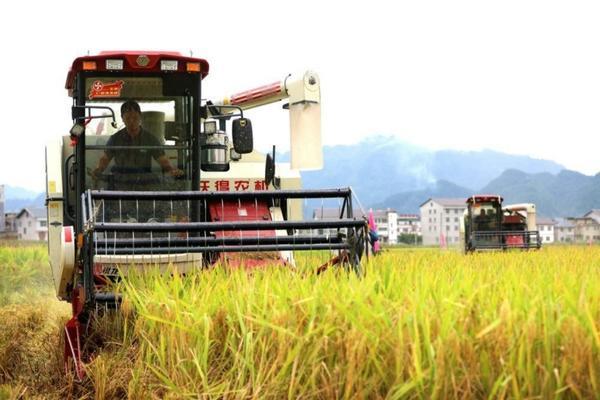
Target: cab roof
134 61
485 198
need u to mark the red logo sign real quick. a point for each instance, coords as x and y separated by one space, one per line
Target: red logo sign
106 89
227 185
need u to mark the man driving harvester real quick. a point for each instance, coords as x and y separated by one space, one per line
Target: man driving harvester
133 166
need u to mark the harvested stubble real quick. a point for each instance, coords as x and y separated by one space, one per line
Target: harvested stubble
30 325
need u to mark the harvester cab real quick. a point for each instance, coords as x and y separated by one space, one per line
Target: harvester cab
487 225
171 187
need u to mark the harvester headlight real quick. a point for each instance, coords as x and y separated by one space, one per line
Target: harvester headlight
114 64
168 65
89 65
210 127
77 130
193 67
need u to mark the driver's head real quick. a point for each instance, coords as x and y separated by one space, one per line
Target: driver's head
132 116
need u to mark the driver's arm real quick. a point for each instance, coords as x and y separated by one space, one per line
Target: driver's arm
102 164
166 166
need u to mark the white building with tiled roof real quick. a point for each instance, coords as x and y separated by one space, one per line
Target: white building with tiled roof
564 231
330 213
409 224
32 224
389 223
441 219
593 214
587 227
545 227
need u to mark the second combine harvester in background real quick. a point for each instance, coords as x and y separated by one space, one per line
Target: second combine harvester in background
487 225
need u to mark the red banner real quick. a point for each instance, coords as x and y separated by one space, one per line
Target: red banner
101 89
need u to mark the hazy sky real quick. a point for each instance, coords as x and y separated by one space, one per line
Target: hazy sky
521 77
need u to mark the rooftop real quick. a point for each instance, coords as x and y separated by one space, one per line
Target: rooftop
39 212
330 213
447 202
409 216
563 223
545 221
594 214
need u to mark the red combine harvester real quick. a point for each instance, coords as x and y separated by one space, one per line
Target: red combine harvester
173 188
487 225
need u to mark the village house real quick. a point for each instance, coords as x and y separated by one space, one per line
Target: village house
441 219
32 224
564 231
325 213
10 226
593 214
545 227
409 224
587 227
389 223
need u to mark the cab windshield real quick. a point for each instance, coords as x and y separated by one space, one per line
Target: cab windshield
157 157
485 216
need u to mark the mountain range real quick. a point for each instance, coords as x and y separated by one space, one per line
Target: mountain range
17 198
565 194
380 166
387 172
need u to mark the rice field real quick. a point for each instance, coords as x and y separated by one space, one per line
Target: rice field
31 320
422 323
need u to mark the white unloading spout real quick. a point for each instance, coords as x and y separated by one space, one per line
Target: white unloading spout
305 122
304 96
529 209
